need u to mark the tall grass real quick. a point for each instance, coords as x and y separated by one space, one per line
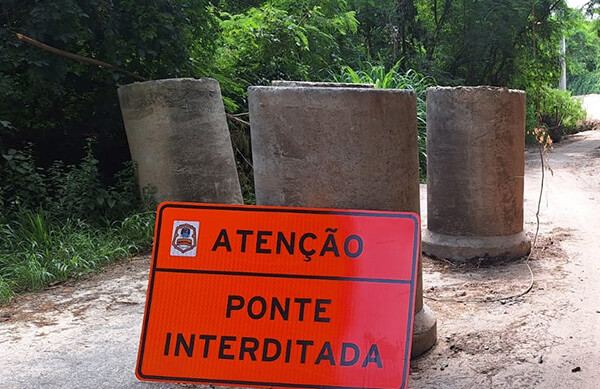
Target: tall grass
380 77
37 249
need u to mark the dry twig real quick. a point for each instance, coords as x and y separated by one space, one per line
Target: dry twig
75 57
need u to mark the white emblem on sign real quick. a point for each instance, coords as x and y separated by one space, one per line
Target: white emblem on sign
185 238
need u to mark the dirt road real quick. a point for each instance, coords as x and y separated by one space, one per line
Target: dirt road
84 334
550 337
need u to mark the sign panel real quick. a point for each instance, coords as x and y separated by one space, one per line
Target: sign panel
280 297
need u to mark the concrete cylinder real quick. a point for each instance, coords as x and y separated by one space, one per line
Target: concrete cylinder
475 169
336 147
321 84
178 136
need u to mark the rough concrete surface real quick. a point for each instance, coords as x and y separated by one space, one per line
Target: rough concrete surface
461 248
320 84
84 334
335 147
339 147
475 165
178 136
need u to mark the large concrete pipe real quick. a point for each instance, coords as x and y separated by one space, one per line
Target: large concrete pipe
321 84
336 147
475 168
178 136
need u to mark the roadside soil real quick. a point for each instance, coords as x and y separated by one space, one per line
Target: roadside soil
549 337
84 333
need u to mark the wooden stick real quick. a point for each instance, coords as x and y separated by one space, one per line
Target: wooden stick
75 57
234 118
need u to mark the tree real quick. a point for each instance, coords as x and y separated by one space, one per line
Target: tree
583 56
281 39
46 98
460 41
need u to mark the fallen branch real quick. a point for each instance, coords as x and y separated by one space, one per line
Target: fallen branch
75 57
236 119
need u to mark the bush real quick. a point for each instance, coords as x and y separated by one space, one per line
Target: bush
63 221
584 84
559 113
22 184
66 191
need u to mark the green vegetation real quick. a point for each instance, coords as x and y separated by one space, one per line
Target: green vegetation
583 56
280 39
62 218
559 114
61 221
37 249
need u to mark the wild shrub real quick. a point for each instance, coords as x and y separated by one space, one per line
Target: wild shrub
77 191
64 221
73 191
22 183
559 113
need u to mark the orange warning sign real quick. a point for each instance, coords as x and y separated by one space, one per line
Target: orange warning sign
273 296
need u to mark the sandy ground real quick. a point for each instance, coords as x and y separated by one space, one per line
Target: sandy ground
550 337
84 334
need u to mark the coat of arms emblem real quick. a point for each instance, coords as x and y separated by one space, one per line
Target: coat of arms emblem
185 238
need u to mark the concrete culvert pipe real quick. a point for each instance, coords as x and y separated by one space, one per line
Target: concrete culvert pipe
475 169
321 84
178 136
339 147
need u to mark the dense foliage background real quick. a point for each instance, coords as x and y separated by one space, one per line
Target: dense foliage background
55 109
46 99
